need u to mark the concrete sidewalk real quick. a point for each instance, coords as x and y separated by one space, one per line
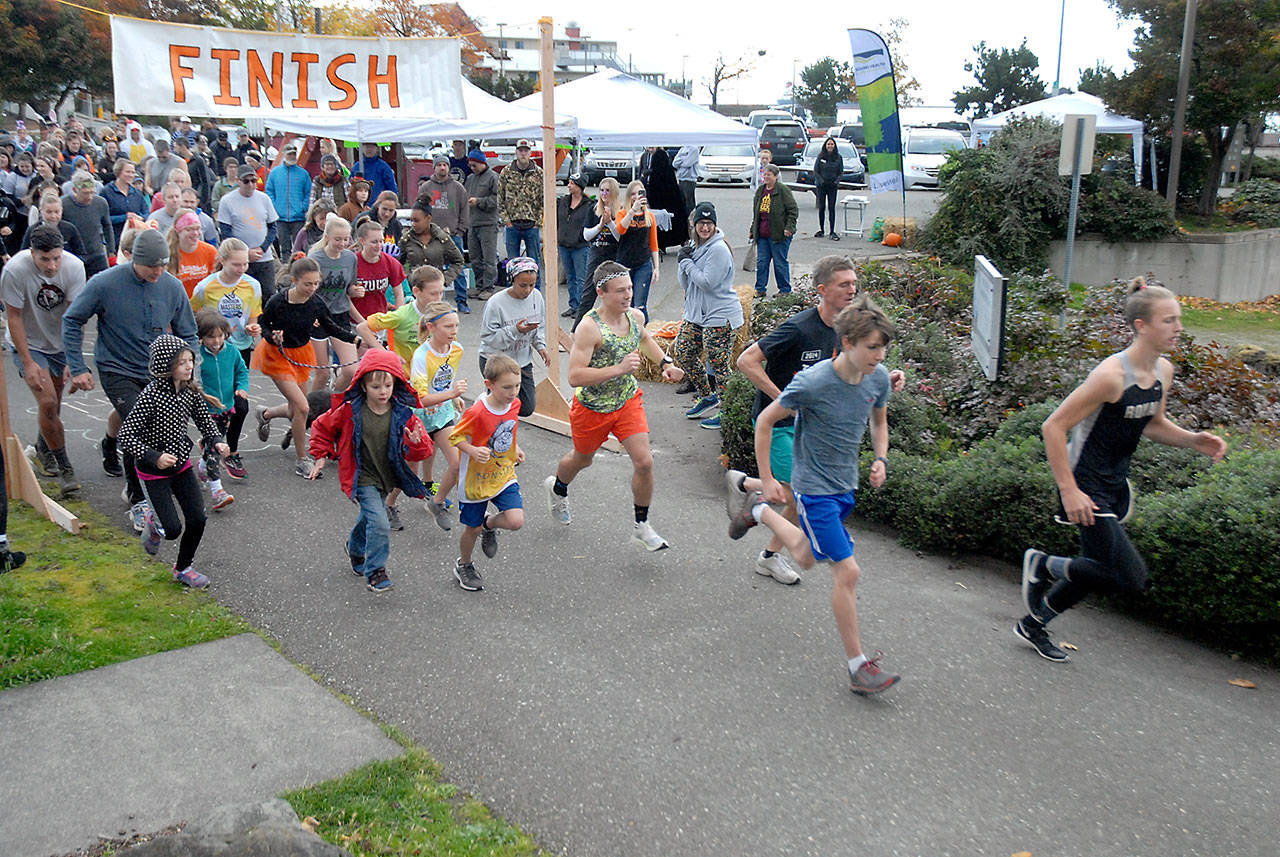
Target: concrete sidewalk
140 745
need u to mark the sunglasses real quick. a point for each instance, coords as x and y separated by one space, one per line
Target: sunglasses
248 181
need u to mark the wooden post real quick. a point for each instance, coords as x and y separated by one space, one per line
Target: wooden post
20 478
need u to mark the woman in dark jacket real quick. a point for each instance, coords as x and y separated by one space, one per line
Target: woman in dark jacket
573 217
664 194
827 169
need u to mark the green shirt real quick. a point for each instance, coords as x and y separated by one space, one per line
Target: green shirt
375 464
607 396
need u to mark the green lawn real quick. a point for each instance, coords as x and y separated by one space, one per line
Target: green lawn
400 806
1231 326
86 601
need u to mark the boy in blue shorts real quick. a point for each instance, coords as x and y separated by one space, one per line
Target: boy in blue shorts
832 401
486 439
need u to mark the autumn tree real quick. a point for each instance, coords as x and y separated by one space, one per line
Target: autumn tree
1005 79
724 70
907 84
408 18
1235 73
48 52
824 84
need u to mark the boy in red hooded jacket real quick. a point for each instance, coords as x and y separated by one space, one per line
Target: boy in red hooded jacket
372 432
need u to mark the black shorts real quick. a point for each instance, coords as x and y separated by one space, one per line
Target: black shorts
122 390
341 319
1113 501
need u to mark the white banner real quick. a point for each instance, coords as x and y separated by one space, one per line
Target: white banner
171 69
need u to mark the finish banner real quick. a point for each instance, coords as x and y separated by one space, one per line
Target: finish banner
878 97
171 69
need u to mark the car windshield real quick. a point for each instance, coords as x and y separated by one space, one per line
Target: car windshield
844 147
727 152
788 131
758 121
933 145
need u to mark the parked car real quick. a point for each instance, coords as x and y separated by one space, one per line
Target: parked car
854 175
728 163
499 153
924 151
619 164
757 118
785 139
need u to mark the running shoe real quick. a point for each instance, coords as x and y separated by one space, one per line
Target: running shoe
712 423
11 560
467 576
743 520
463 309
234 466
304 467
1035 579
287 439
558 506
819 233
1038 639
202 470
437 510
42 459
356 562
702 405
393 519
378 581
138 515
152 534
869 678
778 567
111 458
222 499
67 482
645 535
489 542
733 497
190 577
686 386
264 425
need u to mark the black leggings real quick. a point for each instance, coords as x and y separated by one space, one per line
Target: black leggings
826 195
528 395
185 489
1108 563
229 423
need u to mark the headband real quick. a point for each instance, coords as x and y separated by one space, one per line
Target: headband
600 282
521 265
441 315
186 220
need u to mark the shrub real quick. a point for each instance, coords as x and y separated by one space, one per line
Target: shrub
737 432
1119 210
1257 201
1265 168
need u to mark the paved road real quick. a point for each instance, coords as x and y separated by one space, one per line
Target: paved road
617 702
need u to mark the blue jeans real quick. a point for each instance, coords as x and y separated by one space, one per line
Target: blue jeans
768 249
371 536
641 279
532 240
460 284
574 261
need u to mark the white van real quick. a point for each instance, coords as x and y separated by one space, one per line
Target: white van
757 118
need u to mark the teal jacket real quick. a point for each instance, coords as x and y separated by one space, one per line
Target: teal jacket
222 374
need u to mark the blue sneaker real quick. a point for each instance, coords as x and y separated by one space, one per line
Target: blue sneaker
702 405
711 423
378 580
463 309
152 532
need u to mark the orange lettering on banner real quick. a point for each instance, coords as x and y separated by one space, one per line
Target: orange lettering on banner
224 56
272 85
180 72
339 83
388 80
304 62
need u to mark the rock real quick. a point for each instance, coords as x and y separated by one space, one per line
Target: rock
1266 362
261 829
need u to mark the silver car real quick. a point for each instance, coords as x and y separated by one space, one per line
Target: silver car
724 164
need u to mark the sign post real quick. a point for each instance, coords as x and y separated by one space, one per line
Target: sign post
989 303
1075 160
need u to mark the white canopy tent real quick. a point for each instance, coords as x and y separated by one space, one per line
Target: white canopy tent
615 109
486 117
1057 109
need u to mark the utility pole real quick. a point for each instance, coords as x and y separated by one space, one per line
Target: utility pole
502 51
1180 106
1057 75
317 20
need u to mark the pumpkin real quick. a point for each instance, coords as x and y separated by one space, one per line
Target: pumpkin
892 239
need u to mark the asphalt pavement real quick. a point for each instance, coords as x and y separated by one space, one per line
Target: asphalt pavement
614 701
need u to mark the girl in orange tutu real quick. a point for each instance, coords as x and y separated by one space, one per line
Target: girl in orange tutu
287 322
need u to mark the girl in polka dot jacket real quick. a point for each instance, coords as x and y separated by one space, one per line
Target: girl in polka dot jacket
155 433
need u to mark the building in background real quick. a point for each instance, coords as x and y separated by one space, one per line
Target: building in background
513 52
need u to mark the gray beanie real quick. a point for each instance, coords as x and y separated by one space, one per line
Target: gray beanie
150 248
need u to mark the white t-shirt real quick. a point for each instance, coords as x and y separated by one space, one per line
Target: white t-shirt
43 299
249 217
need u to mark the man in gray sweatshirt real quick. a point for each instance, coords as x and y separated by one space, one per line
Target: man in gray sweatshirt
482 233
91 216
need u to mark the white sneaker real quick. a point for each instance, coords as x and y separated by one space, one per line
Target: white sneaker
734 495
645 535
559 506
778 567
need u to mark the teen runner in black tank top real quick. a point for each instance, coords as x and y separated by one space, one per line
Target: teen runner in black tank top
1122 400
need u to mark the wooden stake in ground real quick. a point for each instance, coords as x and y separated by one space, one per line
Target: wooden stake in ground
20 479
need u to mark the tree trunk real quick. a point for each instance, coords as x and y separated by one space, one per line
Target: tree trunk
1213 175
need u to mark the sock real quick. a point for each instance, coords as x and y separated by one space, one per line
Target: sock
768 553
742 484
484 525
758 510
215 485
1058 566
642 514
4 540
431 489
561 489
855 663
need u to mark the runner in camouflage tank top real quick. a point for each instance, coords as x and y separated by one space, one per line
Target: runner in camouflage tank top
607 397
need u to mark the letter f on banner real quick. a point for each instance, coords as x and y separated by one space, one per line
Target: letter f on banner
878 96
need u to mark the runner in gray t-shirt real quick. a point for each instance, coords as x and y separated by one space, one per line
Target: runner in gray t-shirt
38 285
338 285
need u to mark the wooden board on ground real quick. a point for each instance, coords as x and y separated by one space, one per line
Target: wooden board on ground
552 413
22 477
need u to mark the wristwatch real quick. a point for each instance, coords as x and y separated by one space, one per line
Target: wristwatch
882 458
667 361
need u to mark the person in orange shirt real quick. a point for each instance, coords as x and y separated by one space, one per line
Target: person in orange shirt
638 245
190 258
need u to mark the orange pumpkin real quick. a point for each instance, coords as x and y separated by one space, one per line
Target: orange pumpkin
892 239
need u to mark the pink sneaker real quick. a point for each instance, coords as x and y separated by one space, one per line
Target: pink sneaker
190 577
222 499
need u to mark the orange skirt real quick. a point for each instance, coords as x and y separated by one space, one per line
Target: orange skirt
268 360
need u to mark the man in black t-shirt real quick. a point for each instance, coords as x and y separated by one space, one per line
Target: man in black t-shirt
798 343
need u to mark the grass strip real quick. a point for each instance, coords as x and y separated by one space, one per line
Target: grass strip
83 602
399 806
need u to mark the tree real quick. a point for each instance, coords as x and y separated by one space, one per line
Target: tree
907 85
1006 79
410 18
1235 73
825 84
722 71
47 52
1096 80
501 86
